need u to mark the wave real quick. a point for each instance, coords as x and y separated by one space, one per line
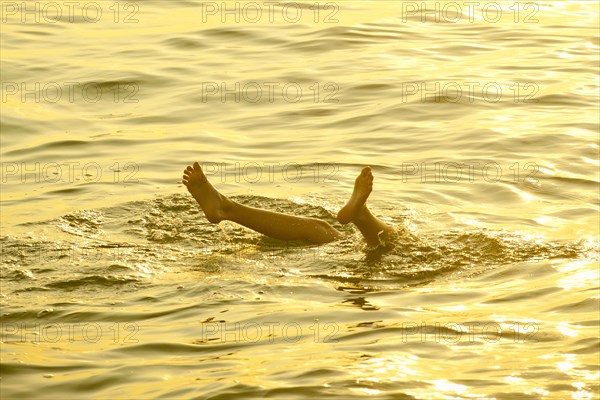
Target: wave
170 233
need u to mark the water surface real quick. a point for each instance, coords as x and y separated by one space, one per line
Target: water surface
483 139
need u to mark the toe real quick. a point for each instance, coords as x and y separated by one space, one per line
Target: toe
197 166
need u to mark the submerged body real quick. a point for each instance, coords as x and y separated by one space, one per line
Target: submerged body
218 207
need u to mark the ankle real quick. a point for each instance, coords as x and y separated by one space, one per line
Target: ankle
362 214
228 207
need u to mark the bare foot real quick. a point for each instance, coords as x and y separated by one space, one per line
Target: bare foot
213 203
363 185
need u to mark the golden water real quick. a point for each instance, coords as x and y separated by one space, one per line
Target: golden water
482 132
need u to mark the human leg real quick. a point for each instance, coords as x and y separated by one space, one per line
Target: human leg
372 228
218 207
